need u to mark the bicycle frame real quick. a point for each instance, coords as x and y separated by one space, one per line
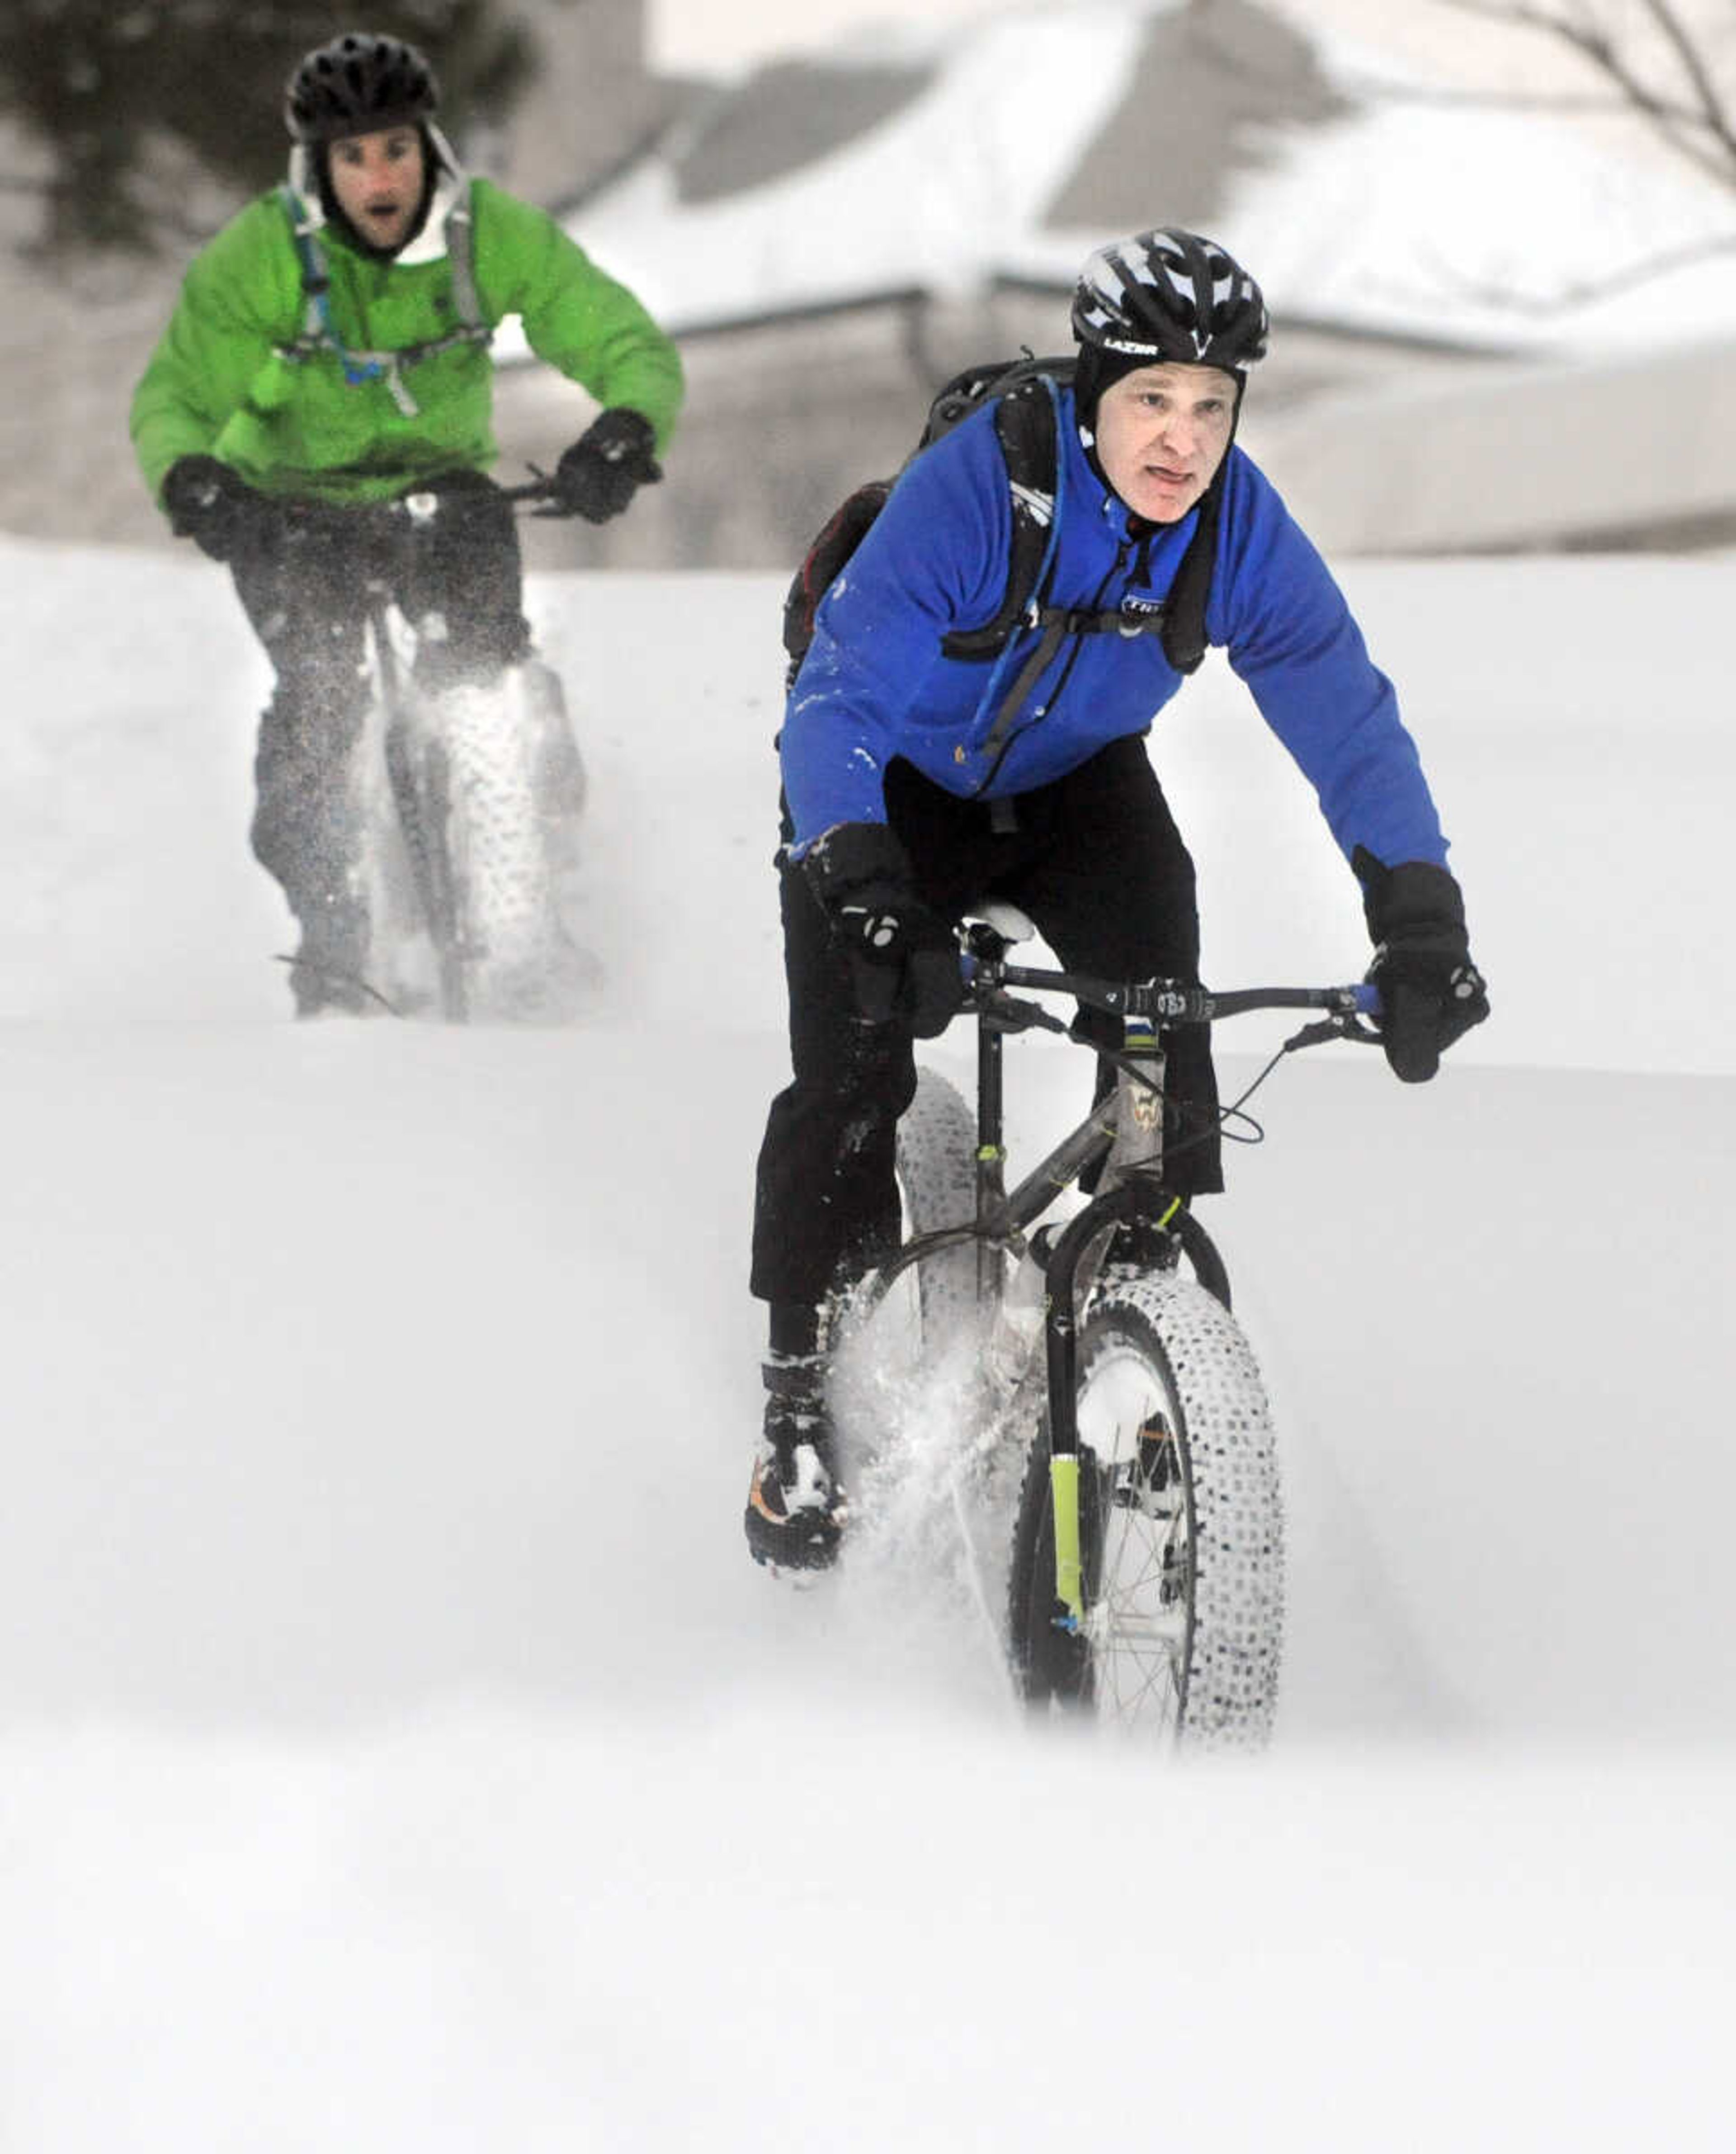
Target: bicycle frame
420 809
1139 1195
418 771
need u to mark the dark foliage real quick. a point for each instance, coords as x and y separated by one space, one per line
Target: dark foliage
120 93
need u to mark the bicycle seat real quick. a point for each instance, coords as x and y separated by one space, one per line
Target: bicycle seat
1007 921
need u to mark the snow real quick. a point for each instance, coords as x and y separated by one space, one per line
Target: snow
973 158
1494 228
398 1748
691 37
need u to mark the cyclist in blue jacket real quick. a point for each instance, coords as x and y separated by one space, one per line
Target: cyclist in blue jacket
914 784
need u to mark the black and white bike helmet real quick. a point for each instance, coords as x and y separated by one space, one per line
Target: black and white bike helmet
1169 295
356 85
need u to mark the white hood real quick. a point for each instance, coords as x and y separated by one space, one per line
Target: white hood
450 188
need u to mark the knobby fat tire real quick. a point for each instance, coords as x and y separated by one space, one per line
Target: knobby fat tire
1225 1619
504 940
937 1142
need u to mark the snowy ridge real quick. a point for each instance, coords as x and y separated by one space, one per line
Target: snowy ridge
971 160
394 1729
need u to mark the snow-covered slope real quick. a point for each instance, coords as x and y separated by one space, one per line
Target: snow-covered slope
1415 213
398 1747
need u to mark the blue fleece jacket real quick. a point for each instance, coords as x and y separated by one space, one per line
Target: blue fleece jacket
874 684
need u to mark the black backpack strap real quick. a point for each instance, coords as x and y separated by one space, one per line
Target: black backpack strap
1183 627
1026 429
1025 421
988 377
1180 622
1055 624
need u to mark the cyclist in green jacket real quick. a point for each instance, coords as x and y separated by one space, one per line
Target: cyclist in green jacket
331 345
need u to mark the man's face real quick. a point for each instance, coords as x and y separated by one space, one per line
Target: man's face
1161 434
378 180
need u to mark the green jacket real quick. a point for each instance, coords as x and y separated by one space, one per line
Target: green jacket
219 383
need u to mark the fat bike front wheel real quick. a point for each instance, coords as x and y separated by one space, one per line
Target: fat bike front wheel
483 847
937 1143
421 780
904 1323
1179 1525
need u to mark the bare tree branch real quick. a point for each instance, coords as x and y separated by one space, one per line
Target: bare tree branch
1693 66
1574 104
1701 132
1567 297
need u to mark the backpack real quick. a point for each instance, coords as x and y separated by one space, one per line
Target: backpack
1025 394
319 334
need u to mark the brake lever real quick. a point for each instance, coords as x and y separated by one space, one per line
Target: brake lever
1011 1013
539 486
1347 1025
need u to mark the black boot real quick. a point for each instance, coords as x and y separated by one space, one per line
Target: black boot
797 1509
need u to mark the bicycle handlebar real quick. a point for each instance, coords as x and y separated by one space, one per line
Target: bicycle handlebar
1175 1002
541 487
421 503
401 513
1163 1001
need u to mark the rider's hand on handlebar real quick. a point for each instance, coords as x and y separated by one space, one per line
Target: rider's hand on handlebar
903 955
1431 992
598 477
213 506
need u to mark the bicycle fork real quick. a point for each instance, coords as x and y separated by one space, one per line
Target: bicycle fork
1136 1198
420 792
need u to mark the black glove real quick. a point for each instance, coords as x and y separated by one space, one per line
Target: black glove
213 506
1431 992
607 465
903 955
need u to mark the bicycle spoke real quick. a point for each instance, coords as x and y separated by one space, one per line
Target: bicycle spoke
1180 1637
1139 1636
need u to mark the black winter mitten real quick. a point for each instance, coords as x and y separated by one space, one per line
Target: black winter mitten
598 477
213 506
903 955
1431 992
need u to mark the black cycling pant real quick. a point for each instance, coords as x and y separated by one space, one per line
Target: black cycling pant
304 587
1096 859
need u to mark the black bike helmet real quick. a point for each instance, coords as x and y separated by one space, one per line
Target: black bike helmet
356 85
1169 295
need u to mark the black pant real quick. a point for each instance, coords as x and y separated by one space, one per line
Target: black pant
305 588
1096 862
